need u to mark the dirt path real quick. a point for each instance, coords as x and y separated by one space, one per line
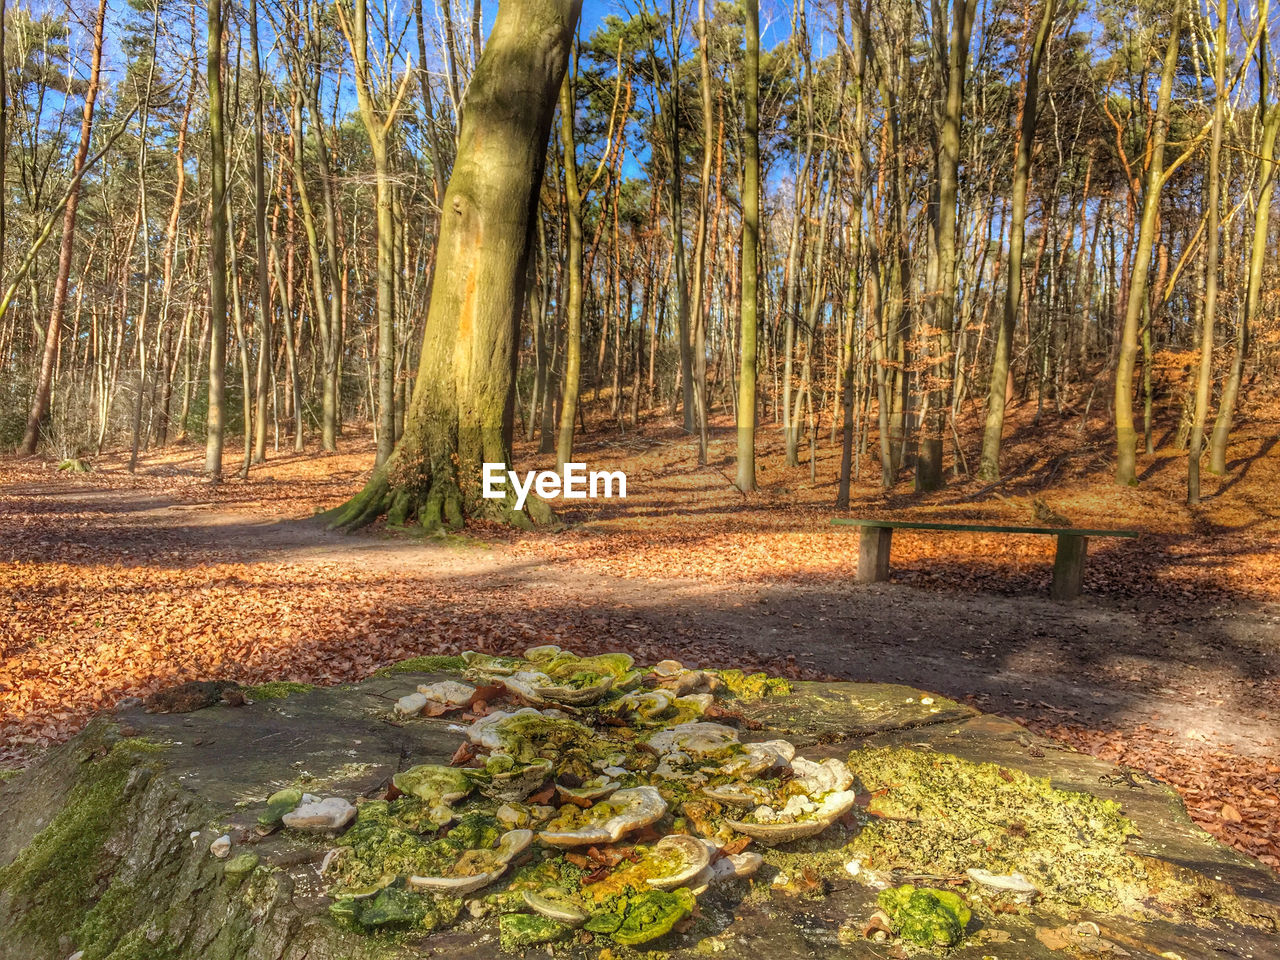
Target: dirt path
1204 673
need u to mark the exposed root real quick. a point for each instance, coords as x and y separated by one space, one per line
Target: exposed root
364 508
434 506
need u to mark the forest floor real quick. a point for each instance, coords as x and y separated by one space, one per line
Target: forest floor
115 584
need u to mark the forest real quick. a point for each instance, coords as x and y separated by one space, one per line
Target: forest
302 300
220 225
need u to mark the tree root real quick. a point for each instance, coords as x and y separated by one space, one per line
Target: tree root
443 507
362 509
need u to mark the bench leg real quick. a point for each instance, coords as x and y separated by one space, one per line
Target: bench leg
1068 567
873 554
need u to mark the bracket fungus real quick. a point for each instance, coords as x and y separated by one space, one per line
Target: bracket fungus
607 821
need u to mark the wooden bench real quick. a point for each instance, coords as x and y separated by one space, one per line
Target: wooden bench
1068 564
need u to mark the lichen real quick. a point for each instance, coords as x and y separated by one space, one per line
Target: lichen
940 814
275 689
925 916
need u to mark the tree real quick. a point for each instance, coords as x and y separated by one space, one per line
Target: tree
460 415
951 52
262 295
4 128
1259 250
53 331
990 467
571 382
750 246
217 248
1209 311
377 123
1126 437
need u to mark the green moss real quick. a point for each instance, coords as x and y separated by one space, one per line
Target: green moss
276 689
380 844
518 931
135 945
924 916
475 831
114 913
8 774
397 908
429 664
755 686
529 736
55 881
639 919
117 928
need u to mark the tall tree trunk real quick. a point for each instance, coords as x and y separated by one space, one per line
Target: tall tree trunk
750 246
53 331
217 249
145 312
990 465
329 314
1258 255
1204 375
954 52
1126 436
461 413
571 383
377 123
4 133
262 296
698 296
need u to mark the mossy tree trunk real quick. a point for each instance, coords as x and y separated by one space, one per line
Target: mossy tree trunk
460 415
